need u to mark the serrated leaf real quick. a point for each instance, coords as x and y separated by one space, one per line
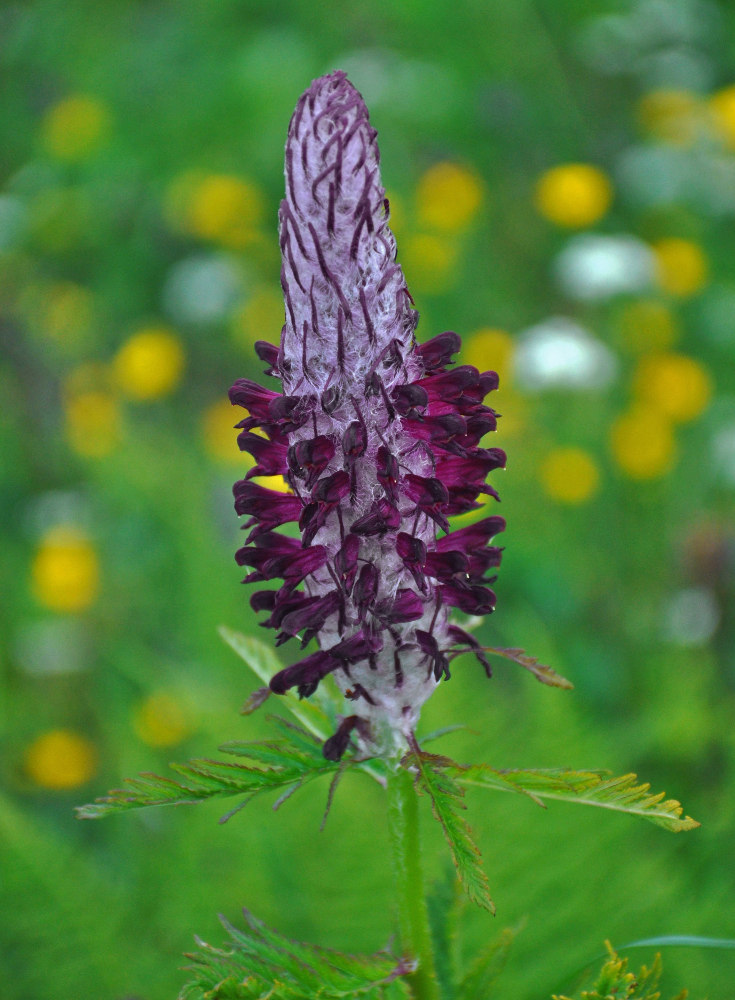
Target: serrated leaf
286 765
590 788
434 777
259 961
542 672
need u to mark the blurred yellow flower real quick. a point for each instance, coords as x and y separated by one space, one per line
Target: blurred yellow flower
569 475
273 483
448 197
260 318
489 349
219 207
670 116
76 127
642 442
65 570
429 262
573 195
219 434
60 759
722 107
150 363
648 325
93 423
681 266
677 385
220 441
160 720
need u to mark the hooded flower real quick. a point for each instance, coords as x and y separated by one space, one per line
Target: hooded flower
377 436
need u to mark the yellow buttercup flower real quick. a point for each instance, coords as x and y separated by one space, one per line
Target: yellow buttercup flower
670 116
76 127
226 210
573 195
642 443
648 325
60 759
681 266
65 570
677 385
489 349
160 720
150 363
429 263
448 197
260 318
722 108
569 475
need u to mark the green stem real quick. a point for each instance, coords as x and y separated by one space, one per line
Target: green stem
413 917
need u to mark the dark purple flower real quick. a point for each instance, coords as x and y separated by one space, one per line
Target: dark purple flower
377 436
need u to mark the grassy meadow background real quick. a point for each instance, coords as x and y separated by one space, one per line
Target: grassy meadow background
562 184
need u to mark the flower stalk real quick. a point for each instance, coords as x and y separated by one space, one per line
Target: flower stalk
413 918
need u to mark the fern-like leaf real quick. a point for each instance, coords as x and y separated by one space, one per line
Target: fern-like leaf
433 776
260 962
278 765
589 788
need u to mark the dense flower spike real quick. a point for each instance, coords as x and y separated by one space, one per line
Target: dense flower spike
378 438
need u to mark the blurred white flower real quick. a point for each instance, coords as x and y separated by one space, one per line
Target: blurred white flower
55 646
723 454
654 175
593 267
691 617
559 353
202 289
12 220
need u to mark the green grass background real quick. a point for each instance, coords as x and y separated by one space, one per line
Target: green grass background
105 910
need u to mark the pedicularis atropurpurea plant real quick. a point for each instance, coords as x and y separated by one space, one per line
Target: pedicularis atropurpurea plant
379 439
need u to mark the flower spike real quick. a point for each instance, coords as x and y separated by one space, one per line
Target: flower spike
378 438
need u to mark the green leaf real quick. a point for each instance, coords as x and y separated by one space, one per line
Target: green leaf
486 968
588 788
285 765
543 673
433 776
443 903
615 982
318 715
264 663
681 941
259 961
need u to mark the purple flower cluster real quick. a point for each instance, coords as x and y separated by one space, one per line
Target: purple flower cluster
378 438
